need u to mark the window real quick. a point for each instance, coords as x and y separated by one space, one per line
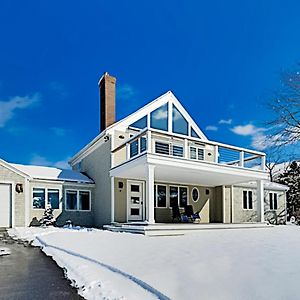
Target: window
138 146
38 198
53 198
134 148
247 200
195 194
141 123
194 133
179 123
143 144
84 200
159 118
273 201
71 200
173 196
161 196
177 150
196 153
183 194
78 200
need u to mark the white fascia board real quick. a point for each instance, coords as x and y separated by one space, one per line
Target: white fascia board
267 186
13 169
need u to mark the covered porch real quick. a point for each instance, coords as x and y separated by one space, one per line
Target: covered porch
135 187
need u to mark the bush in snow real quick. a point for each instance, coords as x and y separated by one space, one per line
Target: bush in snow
48 218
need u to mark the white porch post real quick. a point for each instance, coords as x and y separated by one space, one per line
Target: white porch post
150 194
112 210
260 201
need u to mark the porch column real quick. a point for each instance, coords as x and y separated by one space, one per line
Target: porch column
260 201
112 209
150 194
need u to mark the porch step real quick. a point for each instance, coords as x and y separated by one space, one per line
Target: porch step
177 229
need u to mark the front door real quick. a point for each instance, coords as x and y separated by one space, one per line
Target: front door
135 200
5 205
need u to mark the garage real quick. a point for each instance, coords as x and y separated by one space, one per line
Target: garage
5 205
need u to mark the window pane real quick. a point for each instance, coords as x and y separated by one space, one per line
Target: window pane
141 123
200 154
173 196
250 200
177 151
195 194
245 206
135 188
275 201
135 211
134 148
162 148
84 200
194 134
71 201
38 198
143 144
271 200
193 153
182 196
180 125
159 118
161 196
53 198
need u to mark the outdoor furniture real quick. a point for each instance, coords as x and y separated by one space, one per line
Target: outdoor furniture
189 212
176 215
187 216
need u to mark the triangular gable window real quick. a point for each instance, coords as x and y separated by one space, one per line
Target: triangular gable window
159 118
194 133
179 123
141 123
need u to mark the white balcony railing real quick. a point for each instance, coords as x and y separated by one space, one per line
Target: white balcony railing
194 149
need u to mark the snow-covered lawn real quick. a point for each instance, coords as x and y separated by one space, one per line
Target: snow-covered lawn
213 264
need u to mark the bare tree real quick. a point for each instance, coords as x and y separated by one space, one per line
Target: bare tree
286 108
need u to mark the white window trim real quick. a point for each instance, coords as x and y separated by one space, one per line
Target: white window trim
46 196
156 185
197 154
248 191
80 210
192 194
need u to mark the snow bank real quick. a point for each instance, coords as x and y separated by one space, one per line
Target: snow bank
212 264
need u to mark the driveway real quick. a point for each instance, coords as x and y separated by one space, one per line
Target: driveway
27 273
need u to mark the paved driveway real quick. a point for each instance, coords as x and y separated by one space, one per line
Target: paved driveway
27 273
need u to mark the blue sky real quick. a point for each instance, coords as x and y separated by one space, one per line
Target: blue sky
222 59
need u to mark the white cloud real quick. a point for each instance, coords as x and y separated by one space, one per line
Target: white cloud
125 91
160 114
248 129
39 160
211 128
228 122
261 142
8 108
58 131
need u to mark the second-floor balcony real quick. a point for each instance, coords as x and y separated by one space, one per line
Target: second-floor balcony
156 142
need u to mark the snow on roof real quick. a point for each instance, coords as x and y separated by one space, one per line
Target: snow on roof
267 184
51 173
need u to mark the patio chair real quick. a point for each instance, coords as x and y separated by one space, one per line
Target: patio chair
189 212
176 215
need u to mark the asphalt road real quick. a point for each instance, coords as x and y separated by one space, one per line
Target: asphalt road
27 273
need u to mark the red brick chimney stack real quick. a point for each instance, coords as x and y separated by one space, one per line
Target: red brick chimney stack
107 87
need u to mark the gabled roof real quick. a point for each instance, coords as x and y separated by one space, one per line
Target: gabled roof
140 113
50 173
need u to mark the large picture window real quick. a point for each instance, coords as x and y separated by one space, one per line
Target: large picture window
38 198
161 196
178 196
179 123
43 196
78 200
159 118
53 198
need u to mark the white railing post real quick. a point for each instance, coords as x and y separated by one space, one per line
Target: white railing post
149 141
263 162
127 151
186 148
241 163
216 154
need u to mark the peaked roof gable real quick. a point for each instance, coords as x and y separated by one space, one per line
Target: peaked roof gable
168 97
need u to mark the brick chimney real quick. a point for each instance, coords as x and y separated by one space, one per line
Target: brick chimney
107 87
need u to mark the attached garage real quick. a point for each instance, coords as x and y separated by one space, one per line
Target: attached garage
5 205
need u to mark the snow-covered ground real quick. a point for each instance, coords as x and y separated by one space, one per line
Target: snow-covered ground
213 264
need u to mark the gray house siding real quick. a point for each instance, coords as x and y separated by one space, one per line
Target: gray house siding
97 165
19 211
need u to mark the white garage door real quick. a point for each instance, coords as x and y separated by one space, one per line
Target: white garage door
5 205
